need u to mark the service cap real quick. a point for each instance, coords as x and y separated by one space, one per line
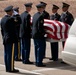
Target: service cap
28 4
55 7
43 3
39 5
16 8
9 8
65 5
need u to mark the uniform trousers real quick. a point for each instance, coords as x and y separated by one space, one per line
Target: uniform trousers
39 50
17 46
63 43
9 56
17 51
54 50
25 48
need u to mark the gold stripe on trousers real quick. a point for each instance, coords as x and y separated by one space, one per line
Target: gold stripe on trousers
18 50
12 61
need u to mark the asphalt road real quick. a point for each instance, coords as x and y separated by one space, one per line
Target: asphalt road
52 68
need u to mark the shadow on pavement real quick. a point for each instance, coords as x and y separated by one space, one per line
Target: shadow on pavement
25 73
59 65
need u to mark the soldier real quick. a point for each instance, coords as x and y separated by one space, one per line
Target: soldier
16 9
38 35
9 38
17 44
66 16
46 14
54 45
25 34
55 15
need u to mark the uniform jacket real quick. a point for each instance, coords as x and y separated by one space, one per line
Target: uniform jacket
55 17
37 27
17 20
25 27
8 29
67 18
46 15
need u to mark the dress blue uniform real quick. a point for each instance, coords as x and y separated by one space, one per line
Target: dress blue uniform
25 35
9 37
38 36
45 13
17 19
46 16
54 46
66 16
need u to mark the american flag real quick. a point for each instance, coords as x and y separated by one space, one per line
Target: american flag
55 29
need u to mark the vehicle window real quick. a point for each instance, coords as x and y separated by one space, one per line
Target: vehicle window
72 30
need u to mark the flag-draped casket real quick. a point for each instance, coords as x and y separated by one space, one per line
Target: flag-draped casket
55 29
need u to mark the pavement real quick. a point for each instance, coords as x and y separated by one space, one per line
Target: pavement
52 68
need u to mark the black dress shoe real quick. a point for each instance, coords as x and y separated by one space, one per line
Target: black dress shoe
14 71
51 59
44 57
40 65
63 62
27 62
18 59
55 59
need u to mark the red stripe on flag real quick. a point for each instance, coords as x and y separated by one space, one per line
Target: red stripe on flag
55 30
51 23
66 30
48 28
51 36
60 29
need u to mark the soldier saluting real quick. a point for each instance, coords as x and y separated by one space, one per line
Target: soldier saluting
17 19
9 37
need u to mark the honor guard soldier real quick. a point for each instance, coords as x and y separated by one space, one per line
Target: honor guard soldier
46 14
25 34
16 9
9 37
54 45
17 44
66 16
55 15
38 35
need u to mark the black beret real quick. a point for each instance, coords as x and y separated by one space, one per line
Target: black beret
16 9
9 8
43 3
39 5
55 7
65 5
28 4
